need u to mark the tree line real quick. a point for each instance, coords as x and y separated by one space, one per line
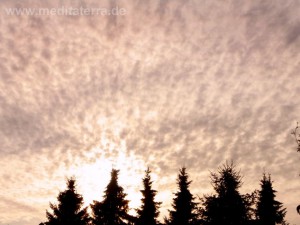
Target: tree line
226 206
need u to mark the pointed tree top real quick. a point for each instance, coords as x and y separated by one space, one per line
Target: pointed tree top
71 183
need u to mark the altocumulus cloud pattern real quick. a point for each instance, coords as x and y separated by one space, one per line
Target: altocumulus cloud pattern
169 83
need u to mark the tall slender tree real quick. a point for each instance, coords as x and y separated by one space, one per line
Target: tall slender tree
113 210
227 206
69 210
149 211
269 211
184 207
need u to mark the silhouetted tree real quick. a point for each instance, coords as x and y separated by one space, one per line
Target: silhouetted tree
184 207
148 213
69 210
227 206
250 201
269 211
113 210
296 134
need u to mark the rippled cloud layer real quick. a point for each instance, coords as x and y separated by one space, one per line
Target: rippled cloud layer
167 84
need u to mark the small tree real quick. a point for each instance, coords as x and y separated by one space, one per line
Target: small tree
296 134
148 213
69 210
227 206
113 210
184 207
269 211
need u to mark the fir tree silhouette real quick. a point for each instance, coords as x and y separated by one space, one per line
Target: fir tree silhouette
269 211
227 206
69 210
184 207
148 213
113 210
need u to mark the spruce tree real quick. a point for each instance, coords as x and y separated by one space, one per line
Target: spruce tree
227 206
184 207
269 211
148 213
69 210
113 210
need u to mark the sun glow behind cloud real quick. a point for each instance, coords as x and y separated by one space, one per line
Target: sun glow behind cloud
93 177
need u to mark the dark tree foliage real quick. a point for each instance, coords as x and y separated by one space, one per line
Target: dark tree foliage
69 210
227 206
184 207
250 201
296 134
269 211
113 210
148 213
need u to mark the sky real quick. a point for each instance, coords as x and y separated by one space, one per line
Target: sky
162 84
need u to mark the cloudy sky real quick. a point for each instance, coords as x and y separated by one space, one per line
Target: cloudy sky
168 83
